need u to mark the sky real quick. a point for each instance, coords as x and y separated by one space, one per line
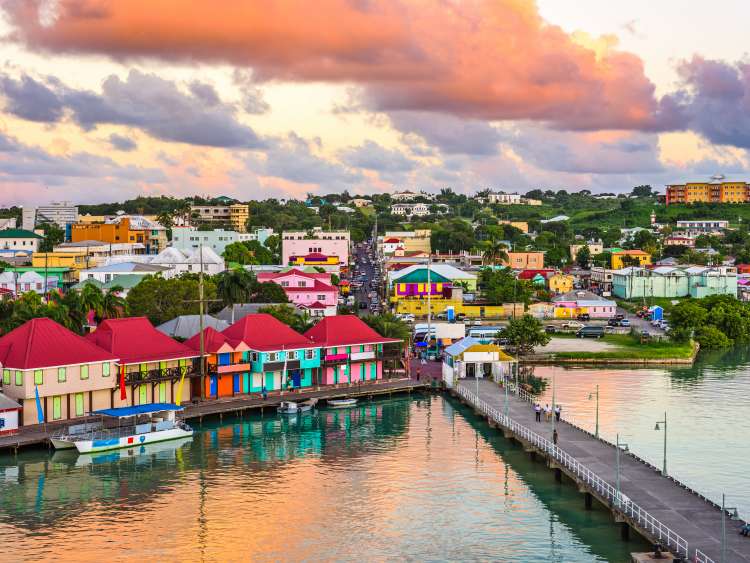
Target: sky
104 100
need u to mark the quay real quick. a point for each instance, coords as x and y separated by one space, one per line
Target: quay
38 435
659 508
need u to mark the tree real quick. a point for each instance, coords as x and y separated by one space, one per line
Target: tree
239 253
269 292
642 191
53 235
495 253
260 253
524 333
685 317
235 286
583 257
501 286
161 300
710 337
289 315
114 305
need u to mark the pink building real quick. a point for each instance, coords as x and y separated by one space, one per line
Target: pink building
313 292
301 243
351 351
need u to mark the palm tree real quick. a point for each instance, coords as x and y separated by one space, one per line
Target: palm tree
92 300
495 253
114 305
235 286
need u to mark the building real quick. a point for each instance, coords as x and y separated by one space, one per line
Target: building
279 358
123 283
522 226
360 202
503 199
234 216
151 365
418 274
570 305
111 272
715 191
60 213
21 282
417 240
302 243
187 326
351 351
72 375
679 240
601 279
189 261
470 358
119 232
525 260
20 240
10 414
312 292
410 209
560 283
672 282
404 196
695 227
595 247
56 277
7 223
623 258
190 238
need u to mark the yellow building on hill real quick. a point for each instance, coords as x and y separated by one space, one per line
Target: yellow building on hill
560 283
625 258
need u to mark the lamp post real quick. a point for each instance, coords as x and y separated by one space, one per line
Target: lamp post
617 468
724 510
664 422
591 395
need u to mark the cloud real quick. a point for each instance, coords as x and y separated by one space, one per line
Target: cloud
253 101
452 135
155 105
122 143
485 59
372 156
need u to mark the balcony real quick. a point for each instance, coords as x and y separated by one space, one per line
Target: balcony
338 359
214 369
157 375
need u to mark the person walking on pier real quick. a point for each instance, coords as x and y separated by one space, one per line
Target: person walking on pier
554 436
547 412
538 412
264 392
558 409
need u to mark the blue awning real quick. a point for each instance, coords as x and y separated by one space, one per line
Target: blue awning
139 409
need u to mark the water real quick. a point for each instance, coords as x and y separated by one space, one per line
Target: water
415 479
708 414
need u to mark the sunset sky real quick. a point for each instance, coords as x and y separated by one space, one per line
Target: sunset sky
104 100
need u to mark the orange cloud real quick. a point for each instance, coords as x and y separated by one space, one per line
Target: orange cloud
488 59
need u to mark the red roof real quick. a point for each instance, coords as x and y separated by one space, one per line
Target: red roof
135 340
392 240
273 276
42 343
264 332
531 274
316 305
213 341
344 330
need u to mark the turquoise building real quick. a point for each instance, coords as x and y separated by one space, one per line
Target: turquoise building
673 282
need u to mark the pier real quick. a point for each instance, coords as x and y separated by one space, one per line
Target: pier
658 507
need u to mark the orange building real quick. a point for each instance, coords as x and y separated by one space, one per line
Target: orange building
709 192
525 260
107 232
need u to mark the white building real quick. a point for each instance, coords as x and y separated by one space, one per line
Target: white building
7 223
404 196
20 239
28 281
61 213
190 238
109 272
503 199
697 227
410 209
182 262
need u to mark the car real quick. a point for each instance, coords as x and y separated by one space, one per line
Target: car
550 329
624 322
619 316
442 316
591 331
573 325
584 317
407 318
476 322
613 322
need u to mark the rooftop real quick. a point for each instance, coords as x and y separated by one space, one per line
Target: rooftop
344 330
18 233
264 332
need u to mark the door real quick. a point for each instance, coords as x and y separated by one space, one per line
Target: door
163 392
214 386
142 394
79 404
486 370
237 383
245 382
470 370
269 380
373 370
335 374
56 408
362 372
296 378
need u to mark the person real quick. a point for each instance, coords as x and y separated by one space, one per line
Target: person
558 408
264 392
547 412
554 436
538 412
419 374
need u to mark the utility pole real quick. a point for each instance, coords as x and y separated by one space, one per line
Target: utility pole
200 321
429 303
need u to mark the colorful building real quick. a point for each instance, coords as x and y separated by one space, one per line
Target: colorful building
525 260
716 191
671 282
20 240
570 305
623 258
279 357
315 259
444 273
227 364
151 365
351 350
72 375
560 283
470 358
326 243
313 292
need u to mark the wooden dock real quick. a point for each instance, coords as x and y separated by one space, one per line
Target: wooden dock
659 508
38 435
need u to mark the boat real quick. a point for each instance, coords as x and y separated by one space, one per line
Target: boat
290 407
159 451
143 424
341 403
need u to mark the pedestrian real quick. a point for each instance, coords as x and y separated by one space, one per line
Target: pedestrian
547 412
419 374
264 392
554 436
538 412
558 408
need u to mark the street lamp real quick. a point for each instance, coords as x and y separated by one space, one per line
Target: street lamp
734 515
619 445
664 422
592 395
506 381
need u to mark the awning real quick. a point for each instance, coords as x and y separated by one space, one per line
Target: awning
139 409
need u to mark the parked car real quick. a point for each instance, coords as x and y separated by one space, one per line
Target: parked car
619 316
591 332
614 322
585 317
624 322
476 322
550 329
573 325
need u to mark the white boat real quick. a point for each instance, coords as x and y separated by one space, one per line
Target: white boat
290 407
341 403
144 424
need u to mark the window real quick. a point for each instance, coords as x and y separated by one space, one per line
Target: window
38 377
105 370
272 356
61 375
19 377
285 284
321 297
291 355
302 283
254 356
84 372
310 354
6 377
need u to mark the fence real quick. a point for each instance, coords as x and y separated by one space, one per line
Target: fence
616 500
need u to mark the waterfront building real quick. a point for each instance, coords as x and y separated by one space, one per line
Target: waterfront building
623 258
471 358
190 238
60 213
525 260
312 292
71 375
234 215
150 363
10 413
351 350
20 240
673 282
280 358
227 363
570 305
326 243
715 191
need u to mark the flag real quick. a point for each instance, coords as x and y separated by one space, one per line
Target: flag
123 391
184 370
39 411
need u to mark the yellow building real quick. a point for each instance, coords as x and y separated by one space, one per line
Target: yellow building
525 260
522 226
73 260
239 213
560 283
625 258
418 308
709 192
417 240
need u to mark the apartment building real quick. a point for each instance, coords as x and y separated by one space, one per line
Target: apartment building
19 240
234 215
715 191
525 260
318 242
410 209
61 213
699 227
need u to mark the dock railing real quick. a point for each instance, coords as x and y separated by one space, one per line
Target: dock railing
618 501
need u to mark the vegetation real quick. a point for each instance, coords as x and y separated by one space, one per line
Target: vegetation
162 299
249 252
53 235
501 286
388 326
717 321
629 347
524 333
289 315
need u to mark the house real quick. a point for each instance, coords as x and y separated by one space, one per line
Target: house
410 209
313 292
187 326
623 258
72 375
10 412
351 350
404 196
391 245
360 202
536 277
542 310
418 273
280 358
413 241
673 282
560 283
227 363
679 240
112 272
573 303
503 198
525 260
233 313
123 229
20 240
189 261
151 365
19 283
595 247
470 358
326 243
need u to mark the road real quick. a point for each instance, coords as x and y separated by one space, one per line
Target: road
365 267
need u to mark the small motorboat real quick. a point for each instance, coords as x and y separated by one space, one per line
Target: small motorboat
341 403
290 407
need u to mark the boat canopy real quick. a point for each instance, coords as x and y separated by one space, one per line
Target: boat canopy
139 409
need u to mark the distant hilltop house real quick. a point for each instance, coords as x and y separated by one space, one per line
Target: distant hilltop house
716 191
410 196
360 202
503 198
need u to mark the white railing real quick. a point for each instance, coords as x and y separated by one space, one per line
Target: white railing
616 499
701 557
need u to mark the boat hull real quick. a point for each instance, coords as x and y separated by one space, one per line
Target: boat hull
62 444
101 445
342 403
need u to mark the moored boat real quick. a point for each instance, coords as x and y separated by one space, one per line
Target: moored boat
341 403
290 407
